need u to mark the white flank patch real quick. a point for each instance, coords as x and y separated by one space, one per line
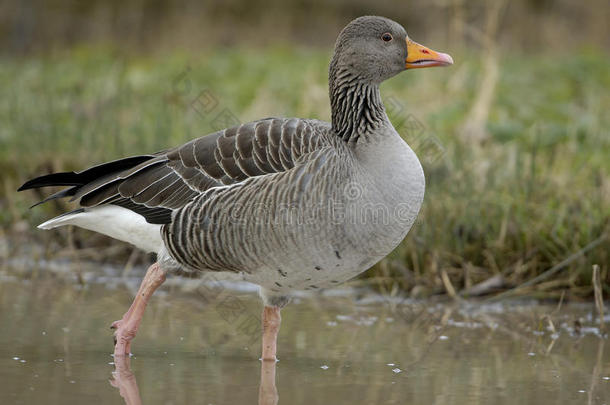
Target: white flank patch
116 222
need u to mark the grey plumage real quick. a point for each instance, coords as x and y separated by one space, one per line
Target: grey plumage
262 199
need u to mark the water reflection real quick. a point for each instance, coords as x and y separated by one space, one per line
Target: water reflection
267 391
125 381
341 350
596 375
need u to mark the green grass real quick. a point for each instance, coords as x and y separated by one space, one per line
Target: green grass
535 190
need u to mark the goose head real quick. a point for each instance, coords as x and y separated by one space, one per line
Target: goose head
368 51
372 49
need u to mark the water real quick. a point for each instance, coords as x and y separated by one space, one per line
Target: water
55 348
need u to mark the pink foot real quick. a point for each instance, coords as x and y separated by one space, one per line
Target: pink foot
116 324
120 330
127 327
125 332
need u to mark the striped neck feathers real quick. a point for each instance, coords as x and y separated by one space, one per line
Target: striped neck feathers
356 105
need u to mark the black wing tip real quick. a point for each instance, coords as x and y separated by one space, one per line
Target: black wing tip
60 194
53 179
30 184
84 177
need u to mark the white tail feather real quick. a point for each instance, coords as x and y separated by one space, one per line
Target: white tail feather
116 222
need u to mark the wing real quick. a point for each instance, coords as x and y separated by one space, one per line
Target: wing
157 184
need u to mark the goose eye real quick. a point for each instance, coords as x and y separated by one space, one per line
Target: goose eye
387 37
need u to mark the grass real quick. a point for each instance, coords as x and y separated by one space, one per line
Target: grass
533 191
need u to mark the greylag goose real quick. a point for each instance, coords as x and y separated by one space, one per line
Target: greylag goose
285 203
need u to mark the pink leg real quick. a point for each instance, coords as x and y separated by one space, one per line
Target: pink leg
271 327
127 327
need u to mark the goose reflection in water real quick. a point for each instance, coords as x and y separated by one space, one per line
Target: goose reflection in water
125 381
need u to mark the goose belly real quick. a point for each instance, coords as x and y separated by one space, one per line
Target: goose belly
369 219
325 259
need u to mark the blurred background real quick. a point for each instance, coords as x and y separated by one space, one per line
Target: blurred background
514 138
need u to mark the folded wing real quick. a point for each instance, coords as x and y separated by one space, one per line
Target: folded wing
155 185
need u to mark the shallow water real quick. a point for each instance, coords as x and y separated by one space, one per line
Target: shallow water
202 347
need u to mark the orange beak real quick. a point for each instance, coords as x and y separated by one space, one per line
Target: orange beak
418 56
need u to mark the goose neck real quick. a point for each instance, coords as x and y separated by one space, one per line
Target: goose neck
356 105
